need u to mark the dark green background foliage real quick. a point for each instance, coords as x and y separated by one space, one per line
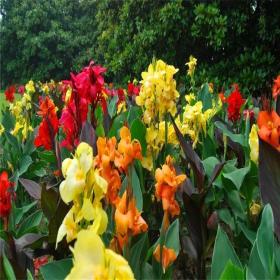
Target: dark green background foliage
234 41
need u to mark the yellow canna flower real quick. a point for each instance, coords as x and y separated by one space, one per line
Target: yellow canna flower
30 88
254 144
158 94
2 129
93 261
191 64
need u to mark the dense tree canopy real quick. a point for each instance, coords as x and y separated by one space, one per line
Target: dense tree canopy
234 41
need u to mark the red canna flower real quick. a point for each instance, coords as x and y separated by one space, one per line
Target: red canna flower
235 101
38 262
49 125
276 87
6 195
10 93
132 89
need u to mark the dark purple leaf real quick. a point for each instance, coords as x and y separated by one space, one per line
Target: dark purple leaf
217 170
33 188
269 179
27 240
88 135
49 199
192 156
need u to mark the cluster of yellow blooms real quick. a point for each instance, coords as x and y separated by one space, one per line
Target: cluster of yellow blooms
155 138
158 94
20 109
85 187
93 261
86 220
195 120
191 64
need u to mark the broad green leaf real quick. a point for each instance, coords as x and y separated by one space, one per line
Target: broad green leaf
112 108
136 255
209 165
250 235
48 156
29 275
236 204
223 252
8 270
232 271
118 122
24 164
57 270
238 138
30 224
133 114
138 131
137 192
237 176
226 217
205 96
265 240
172 237
255 268
19 212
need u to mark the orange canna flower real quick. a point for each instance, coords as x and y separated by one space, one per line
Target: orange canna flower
269 128
167 182
222 97
168 256
106 151
128 220
127 150
47 108
276 87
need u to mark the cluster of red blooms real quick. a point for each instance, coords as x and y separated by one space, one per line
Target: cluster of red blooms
87 89
276 87
133 90
235 102
6 195
49 125
10 93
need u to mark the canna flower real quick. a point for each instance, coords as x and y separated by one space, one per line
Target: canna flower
158 94
49 125
30 88
269 128
93 261
106 151
191 65
2 129
222 97
254 143
21 89
276 87
235 101
6 195
167 183
128 220
168 256
10 93
86 188
127 151
132 89
38 262
195 120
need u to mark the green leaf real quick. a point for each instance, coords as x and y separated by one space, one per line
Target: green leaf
8 270
236 204
238 138
250 235
205 96
255 268
265 240
133 114
237 176
29 275
30 224
138 131
24 164
209 165
112 108
118 122
137 192
19 212
232 271
48 156
172 239
223 252
136 255
57 270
